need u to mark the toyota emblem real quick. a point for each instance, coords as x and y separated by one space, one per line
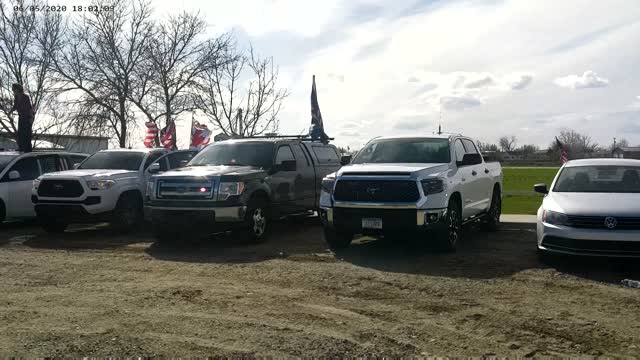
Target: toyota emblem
372 190
610 222
58 187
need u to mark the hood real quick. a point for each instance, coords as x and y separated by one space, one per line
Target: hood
86 173
593 204
381 169
213 170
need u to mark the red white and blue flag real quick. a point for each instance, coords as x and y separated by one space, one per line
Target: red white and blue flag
200 135
150 136
167 135
564 155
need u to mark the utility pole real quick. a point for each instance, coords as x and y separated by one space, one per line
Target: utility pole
239 120
440 122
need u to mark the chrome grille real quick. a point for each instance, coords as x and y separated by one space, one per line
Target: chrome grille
186 189
392 191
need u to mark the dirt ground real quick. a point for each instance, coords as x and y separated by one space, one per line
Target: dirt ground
94 293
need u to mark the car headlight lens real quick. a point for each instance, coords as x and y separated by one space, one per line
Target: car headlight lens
227 189
555 218
432 186
100 184
327 185
150 187
36 183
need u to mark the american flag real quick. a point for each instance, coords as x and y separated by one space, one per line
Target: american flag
150 136
166 135
564 156
200 135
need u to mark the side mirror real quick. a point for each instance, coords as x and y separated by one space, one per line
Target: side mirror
183 163
345 159
286 165
14 175
541 188
76 165
154 168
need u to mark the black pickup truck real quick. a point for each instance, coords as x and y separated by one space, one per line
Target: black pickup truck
239 185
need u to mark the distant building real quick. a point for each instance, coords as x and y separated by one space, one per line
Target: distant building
627 152
70 143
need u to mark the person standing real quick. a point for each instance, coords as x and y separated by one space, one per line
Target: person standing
22 104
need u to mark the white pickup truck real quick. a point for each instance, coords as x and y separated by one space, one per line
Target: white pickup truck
108 186
397 185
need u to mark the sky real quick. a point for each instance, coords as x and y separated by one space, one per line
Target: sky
486 68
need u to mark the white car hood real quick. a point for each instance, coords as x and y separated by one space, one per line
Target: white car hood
91 173
594 204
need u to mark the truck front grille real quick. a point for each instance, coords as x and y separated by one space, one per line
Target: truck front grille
388 191
186 189
60 188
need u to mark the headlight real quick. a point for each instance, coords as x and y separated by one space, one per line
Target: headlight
432 186
100 184
554 218
227 189
327 185
36 183
150 187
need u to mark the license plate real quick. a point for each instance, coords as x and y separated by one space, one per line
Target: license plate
370 223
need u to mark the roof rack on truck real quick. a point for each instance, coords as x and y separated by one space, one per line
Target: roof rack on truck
299 137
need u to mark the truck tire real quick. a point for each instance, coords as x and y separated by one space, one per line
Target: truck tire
336 239
256 221
449 237
128 212
53 227
492 220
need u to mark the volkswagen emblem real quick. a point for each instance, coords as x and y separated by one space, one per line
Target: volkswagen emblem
58 187
372 190
610 222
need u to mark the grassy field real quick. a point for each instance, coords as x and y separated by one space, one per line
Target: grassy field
523 179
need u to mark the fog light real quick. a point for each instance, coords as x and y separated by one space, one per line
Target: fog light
430 218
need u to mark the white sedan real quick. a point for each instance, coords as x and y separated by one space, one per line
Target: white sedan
592 208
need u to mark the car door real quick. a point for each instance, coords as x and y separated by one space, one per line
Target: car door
466 180
483 186
283 182
151 158
475 181
305 186
19 203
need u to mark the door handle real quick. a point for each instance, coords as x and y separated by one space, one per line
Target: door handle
486 171
474 173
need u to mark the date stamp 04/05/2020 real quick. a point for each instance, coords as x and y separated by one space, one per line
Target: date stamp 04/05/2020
62 8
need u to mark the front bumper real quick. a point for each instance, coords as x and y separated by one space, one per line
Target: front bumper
220 217
394 219
70 213
588 242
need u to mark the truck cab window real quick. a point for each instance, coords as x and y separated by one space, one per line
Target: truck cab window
460 150
284 153
27 167
152 158
326 154
470 147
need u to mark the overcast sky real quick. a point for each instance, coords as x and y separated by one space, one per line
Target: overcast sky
494 68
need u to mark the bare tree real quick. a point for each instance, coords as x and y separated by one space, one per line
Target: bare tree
242 111
578 144
175 58
98 62
507 144
26 41
619 143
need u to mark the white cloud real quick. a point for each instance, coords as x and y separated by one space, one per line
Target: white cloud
459 102
518 81
478 81
585 81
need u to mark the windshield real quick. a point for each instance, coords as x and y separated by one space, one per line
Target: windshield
259 154
114 160
599 179
5 160
404 151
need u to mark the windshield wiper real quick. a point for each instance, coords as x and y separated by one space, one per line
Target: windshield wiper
236 164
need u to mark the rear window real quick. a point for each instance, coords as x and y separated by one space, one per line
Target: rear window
326 154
